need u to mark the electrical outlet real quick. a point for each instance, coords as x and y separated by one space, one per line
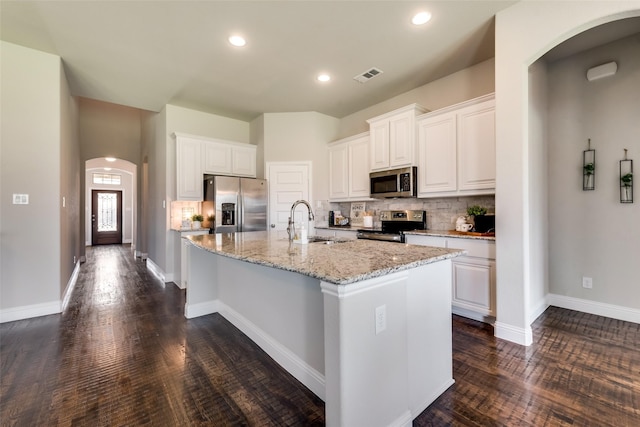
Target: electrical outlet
587 282
381 318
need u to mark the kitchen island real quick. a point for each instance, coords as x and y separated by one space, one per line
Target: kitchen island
364 325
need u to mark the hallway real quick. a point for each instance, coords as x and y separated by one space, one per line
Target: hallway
123 354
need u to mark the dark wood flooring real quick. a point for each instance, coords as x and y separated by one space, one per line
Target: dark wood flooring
123 354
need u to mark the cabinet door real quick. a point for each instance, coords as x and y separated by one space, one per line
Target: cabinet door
474 285
217 158
244 161
379 146
401 139
438 242
437 154
188 169
358 168
338 177
477 147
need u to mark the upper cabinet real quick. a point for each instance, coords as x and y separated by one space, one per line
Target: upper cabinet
188 170
393 138
349 168
456 150
197 155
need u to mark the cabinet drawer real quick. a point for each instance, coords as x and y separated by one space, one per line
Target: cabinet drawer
475 248
438 242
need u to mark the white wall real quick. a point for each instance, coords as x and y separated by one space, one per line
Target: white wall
520 41
537 214
593 234
37 139
301 137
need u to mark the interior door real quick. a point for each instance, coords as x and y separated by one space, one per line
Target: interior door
288 182
106 217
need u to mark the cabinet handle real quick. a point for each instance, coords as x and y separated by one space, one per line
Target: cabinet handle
273 226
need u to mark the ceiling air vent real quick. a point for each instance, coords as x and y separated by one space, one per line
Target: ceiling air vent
367 75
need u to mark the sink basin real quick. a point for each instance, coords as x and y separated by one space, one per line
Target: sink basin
326 240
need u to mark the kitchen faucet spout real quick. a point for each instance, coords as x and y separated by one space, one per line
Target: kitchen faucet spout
290 226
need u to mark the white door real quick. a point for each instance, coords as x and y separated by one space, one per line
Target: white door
288 182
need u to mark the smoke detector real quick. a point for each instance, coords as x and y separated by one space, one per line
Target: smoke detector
368 75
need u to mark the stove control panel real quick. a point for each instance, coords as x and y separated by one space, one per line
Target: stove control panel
408 215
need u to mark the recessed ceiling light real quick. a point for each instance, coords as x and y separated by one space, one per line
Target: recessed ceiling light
323 77
110 159
421 18
237 41
107 169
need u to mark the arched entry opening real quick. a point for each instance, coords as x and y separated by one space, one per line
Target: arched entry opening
110 202
521 194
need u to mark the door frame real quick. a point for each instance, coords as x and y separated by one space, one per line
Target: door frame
94 231
269 165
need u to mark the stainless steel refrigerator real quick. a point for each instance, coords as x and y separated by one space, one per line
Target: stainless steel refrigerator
238 204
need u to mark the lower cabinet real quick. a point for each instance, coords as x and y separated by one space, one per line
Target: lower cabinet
181 260
473 275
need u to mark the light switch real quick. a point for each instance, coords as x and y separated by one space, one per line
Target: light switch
20 199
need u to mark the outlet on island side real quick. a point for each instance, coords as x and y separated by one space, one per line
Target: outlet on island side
381 318
587 282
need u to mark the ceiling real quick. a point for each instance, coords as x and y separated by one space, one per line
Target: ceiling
147 54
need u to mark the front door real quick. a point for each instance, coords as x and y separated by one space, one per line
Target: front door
106 217
288 182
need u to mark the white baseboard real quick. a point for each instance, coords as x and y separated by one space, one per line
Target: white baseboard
536 312
126 241
155 269
70 286
404 420
293 364
29 311
201 309
470 314
430 399
592 307
522 336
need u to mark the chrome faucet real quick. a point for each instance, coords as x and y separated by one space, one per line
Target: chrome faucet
290 226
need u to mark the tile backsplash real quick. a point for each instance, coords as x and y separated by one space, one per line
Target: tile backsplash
441 212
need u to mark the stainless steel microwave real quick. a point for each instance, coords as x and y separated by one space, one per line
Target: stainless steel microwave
394 183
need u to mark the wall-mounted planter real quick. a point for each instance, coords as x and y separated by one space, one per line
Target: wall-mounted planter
626 179
589 169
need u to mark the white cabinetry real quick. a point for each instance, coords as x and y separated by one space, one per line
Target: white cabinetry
393 138
197 155
181 256
349 168
456 150
474 275
228 158
188 170
332 232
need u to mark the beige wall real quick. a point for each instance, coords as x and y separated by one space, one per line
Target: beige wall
466 84
301 137
591 233
36 141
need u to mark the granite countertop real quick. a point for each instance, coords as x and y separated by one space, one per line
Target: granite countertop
182 230
342 262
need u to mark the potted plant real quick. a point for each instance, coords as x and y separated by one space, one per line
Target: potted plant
588 171
481 222
627 182
196 221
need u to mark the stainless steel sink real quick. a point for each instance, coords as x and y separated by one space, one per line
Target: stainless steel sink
326 240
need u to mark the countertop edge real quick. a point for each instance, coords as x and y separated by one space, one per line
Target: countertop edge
451 253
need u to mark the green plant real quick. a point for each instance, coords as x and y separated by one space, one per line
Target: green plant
197 217
589 168
476 210
627 179
210 218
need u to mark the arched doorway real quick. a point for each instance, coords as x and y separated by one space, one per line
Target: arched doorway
110 202
524 32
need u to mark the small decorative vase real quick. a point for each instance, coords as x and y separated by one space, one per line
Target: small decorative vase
195 225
